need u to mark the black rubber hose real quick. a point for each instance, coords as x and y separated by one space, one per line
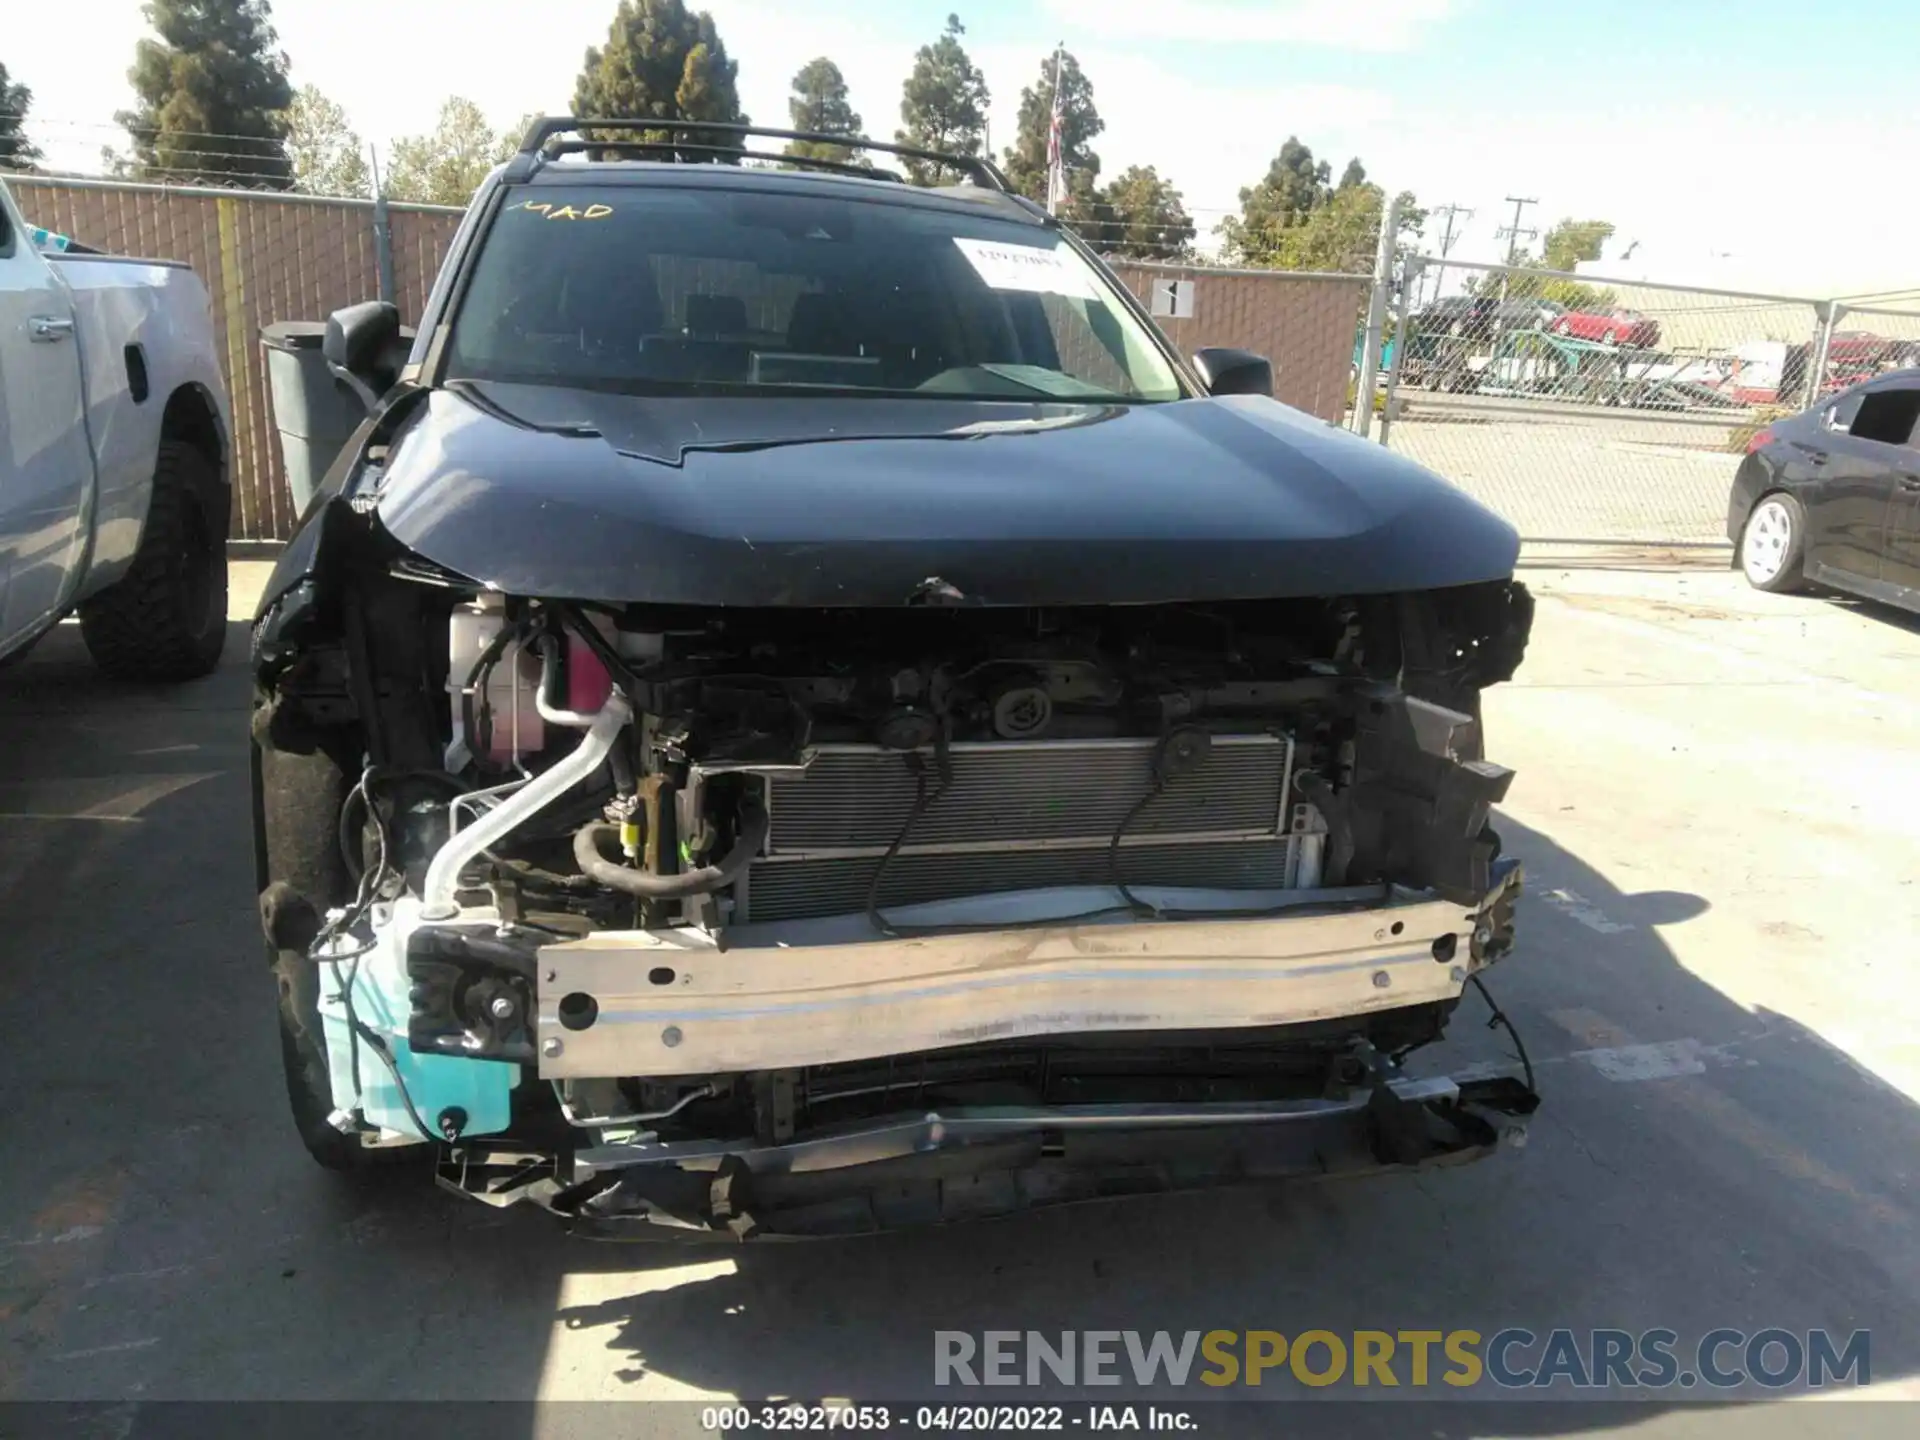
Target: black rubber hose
548 645
754 825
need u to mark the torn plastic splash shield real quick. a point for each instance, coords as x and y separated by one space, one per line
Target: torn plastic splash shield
910 1170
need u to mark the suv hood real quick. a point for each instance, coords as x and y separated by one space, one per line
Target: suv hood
537 490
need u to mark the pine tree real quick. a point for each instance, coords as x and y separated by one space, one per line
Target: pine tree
819 103
1139 216
446 166
1026 163
943 105
16 151
660 60
213 95
1294 186
328 158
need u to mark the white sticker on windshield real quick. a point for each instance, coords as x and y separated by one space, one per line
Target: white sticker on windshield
1025 267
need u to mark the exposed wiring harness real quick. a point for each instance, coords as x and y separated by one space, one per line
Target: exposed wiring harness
1181 751
476 721
925 798
372 882
1499 1019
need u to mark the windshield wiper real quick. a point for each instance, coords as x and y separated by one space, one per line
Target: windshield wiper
470 391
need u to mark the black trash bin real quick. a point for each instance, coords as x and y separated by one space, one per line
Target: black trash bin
314 413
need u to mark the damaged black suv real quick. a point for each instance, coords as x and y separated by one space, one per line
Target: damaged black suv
799 712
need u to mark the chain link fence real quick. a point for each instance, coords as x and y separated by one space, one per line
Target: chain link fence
1591 411
1587 410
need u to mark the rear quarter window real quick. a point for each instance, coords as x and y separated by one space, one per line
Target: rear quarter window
1887 416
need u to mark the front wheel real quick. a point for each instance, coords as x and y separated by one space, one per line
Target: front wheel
1772 544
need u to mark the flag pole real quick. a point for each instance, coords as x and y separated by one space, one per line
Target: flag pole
1056 154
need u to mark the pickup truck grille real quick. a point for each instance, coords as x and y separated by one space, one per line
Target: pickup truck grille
1017 816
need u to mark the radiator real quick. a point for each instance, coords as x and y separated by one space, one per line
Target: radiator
1017 816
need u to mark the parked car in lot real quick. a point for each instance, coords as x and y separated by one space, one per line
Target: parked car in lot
113 458
803 713
1483 317
1609 327
1832 496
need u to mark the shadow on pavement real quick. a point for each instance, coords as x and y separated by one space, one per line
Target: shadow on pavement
1695 1164
162 1233
1763 1182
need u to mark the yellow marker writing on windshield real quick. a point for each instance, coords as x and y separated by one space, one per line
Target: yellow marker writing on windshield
567 212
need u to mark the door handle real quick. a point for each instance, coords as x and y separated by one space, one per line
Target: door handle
1910 482
49 328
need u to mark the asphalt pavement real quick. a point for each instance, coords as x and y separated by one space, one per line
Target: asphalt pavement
1716 806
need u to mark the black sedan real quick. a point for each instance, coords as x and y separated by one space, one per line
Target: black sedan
1832 496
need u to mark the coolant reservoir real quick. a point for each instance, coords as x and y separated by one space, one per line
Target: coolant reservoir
511 724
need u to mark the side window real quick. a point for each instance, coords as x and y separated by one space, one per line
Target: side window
1888 415
6 234
1840 416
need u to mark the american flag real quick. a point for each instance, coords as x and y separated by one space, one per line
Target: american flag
1056 167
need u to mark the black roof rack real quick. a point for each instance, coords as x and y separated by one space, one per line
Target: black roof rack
981 171
673 150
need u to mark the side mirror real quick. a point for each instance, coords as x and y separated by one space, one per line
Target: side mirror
362 347
1234 372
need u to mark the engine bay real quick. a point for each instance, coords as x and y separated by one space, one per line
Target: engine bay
555 818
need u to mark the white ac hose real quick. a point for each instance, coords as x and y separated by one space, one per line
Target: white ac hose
443 875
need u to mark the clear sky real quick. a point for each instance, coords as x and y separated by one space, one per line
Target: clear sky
1767 144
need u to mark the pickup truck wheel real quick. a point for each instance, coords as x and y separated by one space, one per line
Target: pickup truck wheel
166 618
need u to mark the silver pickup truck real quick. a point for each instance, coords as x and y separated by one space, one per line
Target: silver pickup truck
114 484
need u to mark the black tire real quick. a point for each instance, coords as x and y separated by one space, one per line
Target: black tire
166 618
299 785
1781 570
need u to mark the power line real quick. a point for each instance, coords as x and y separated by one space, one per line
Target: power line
1512 233
1452 212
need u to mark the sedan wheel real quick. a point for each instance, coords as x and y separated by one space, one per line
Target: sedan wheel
1770 545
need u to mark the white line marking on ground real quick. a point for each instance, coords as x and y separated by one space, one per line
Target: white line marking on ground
76 1232
1783 674
1577 907
1664 1061
161 1273
119 1349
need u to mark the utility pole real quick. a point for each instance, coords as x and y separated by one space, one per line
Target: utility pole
1513 233
382 230
1452 212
